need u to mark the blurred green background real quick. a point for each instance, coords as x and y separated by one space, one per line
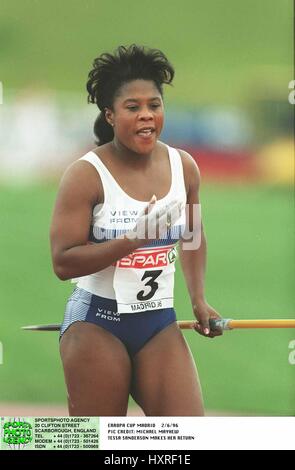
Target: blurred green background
223 51
219 47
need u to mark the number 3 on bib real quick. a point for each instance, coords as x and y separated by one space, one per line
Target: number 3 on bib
153 275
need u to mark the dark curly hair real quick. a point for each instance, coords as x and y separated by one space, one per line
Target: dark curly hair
111 71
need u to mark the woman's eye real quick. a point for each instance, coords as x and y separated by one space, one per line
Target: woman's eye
134 108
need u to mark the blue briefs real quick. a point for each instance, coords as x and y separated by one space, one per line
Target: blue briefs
133 329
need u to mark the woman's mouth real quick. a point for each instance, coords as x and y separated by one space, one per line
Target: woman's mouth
145 132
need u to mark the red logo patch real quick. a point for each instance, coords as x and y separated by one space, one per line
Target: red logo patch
145 259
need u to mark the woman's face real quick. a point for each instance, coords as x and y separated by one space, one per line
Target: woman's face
137 116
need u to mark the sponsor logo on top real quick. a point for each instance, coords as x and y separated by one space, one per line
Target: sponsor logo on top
144 259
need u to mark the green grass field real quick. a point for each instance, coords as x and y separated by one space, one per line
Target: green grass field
223 51
250 274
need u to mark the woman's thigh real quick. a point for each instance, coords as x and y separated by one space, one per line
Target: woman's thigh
97 371
165 379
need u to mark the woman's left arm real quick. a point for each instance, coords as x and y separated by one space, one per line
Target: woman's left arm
193 251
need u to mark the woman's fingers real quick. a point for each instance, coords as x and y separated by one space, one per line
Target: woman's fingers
169 216
149 207
152 223
213 333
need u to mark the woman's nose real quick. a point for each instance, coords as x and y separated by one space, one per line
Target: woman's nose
145 114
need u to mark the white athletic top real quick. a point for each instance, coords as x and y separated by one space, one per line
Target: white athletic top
143 280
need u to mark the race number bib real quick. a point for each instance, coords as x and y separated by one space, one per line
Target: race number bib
144 280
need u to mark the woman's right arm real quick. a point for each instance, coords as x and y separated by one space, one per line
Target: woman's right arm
72 256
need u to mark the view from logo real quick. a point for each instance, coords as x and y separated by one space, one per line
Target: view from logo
16 433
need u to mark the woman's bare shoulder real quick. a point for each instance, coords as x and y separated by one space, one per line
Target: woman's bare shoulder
190 169
187 160
104 152
82 179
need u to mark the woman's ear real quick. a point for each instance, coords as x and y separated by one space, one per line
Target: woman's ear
109 116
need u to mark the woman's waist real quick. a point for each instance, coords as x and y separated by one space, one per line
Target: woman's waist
99 283
105 306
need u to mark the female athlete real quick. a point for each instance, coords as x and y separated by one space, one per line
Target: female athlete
121 210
